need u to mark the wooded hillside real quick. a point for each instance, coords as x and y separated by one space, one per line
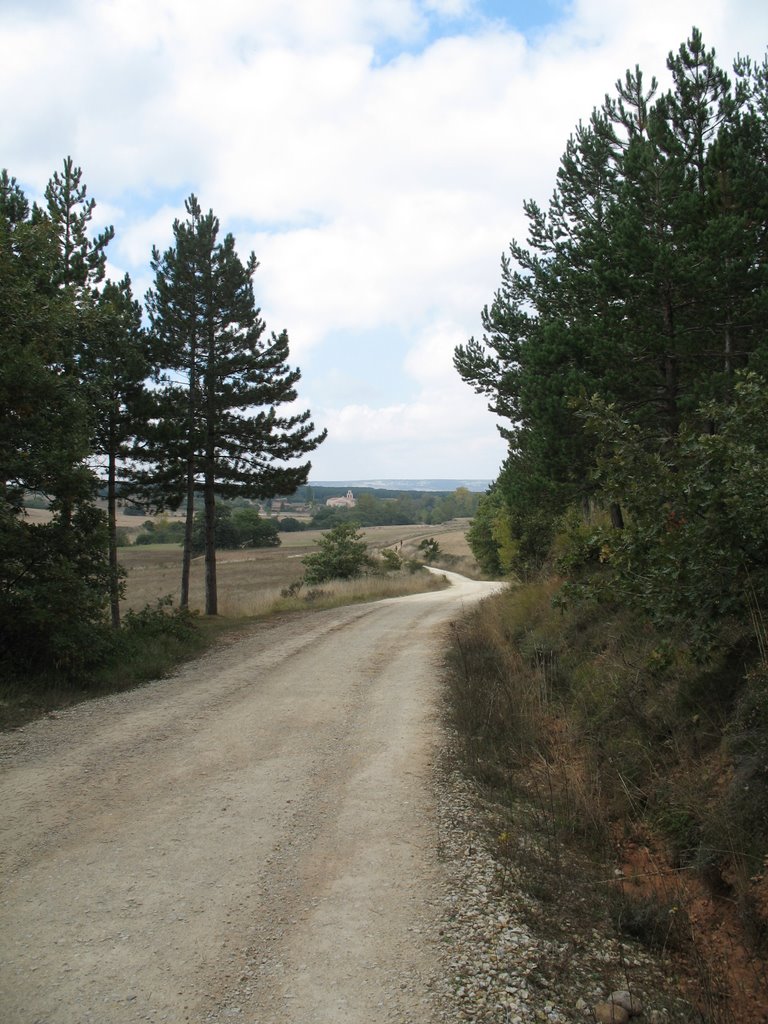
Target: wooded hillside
627 349
625 676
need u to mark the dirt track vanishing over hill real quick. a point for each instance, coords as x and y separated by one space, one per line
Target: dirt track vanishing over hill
252 839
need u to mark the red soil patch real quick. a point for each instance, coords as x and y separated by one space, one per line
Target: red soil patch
728 981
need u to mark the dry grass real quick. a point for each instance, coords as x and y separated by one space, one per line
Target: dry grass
250 582
250 585
131 523
154 570
336 593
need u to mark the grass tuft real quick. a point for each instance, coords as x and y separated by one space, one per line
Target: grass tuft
606 730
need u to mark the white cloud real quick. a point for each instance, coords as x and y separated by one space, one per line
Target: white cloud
442 434
375 192
430 360
448 8
414 255
137 238
444 430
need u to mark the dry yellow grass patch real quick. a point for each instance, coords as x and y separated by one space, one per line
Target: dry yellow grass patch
131 523
250 581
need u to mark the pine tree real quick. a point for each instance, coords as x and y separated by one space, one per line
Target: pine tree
82 259
175 307
113 367
53 576
74 273
222 384
644 282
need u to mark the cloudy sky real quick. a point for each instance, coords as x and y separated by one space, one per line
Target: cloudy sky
375 154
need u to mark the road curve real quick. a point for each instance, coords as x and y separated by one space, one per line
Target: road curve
253 839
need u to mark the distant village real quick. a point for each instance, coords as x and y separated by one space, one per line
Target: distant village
347 501
274 506
311 507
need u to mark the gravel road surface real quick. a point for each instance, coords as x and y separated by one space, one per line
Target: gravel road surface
253 839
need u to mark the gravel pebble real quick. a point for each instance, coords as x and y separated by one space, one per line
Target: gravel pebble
510 958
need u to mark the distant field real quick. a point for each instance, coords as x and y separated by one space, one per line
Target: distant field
133 523
250 579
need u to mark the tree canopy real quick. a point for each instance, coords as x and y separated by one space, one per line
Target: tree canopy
342 555
621 332
77 413
54 577
222 382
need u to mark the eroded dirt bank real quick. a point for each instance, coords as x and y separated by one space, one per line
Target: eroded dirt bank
253 838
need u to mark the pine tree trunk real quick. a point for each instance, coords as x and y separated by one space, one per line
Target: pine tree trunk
670 388
186 557
211 594
671 373
186 553
617 518
114 584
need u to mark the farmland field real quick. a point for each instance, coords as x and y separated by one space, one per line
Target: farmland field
250 580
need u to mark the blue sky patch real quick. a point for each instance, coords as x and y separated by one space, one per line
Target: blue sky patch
516 15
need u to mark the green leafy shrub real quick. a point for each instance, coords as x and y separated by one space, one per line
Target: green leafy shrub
291 525
54 580
149 645
693 553
343 555
161 530
391 561
238 528
160 619
430 548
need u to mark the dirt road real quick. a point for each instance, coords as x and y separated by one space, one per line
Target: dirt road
253 839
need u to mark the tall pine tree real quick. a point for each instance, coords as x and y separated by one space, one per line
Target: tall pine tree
54 576
218 431
113 367
643 282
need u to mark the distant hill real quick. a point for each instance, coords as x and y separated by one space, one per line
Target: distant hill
405 485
